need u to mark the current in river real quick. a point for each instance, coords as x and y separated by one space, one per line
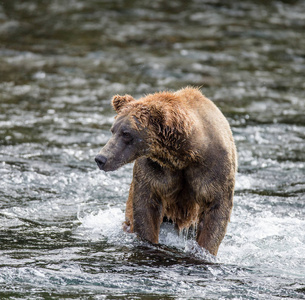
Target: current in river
60 217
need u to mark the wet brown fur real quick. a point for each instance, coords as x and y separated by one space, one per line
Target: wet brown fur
188 172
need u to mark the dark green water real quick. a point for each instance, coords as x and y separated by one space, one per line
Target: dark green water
60 217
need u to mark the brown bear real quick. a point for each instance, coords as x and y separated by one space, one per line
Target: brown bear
185 163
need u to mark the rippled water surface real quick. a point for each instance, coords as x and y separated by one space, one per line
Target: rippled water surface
60 218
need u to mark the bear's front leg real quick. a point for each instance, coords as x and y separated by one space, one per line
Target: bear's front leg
128 224
213 225
147 214
147 210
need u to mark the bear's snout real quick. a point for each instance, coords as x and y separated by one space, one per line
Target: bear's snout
101 161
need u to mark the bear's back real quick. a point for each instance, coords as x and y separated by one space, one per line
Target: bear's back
205 114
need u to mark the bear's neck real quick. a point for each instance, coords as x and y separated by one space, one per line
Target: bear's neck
172 149
171 159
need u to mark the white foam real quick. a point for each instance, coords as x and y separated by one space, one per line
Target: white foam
106 224
170 237
265 240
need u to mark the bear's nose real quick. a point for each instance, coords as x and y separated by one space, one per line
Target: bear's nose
101 161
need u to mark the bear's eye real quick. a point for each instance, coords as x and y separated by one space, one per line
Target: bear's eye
126 135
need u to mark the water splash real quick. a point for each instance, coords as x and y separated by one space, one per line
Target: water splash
106 225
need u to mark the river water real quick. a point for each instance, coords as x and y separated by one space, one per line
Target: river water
60 217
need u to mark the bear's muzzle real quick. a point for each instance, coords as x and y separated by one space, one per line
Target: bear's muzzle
101 161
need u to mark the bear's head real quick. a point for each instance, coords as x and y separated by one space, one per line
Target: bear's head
127 142
152 126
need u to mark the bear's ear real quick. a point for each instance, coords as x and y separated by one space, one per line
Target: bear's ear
118 102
